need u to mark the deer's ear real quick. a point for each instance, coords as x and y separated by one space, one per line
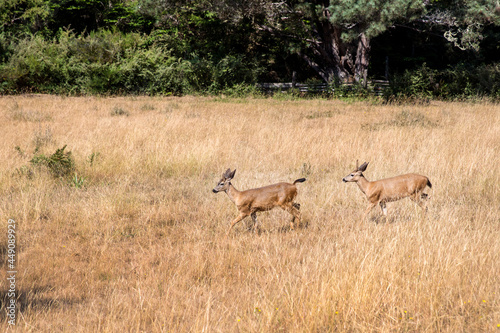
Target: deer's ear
363 166
231 175
227 173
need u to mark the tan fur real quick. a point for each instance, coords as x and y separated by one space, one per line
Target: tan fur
251 201
390 189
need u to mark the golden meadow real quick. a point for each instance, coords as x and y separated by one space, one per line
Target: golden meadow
133 239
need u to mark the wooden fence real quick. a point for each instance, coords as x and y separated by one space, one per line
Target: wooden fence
376 86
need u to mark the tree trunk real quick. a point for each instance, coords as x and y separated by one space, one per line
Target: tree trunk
333 52
362 60
328 50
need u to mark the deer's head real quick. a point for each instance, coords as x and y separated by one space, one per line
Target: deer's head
356 173
225 181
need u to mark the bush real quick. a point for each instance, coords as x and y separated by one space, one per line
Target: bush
101 63
110 62
59 164
461 81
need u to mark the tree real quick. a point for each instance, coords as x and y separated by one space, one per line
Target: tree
331 36
462 22
23 16
84 16
334 36
362 20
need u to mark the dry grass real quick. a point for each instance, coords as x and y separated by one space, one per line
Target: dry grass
140 246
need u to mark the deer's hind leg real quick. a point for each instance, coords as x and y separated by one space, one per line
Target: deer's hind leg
419 197
293 208
255 226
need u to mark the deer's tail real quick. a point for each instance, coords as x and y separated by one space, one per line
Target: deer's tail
300 180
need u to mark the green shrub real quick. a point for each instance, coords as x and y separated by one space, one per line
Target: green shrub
461 81
59 164
77 182
111 62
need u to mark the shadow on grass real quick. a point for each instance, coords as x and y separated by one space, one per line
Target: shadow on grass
304 224
32 299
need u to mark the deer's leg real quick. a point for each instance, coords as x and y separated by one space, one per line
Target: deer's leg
292 209
370 207
383 207
417 198
256 226
236 220
250 224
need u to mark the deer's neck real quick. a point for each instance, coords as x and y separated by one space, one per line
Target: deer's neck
232 193
363 184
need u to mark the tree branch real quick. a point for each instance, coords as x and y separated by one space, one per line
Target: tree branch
418 30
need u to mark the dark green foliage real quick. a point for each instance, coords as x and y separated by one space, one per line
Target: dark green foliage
84 16
372 17
59 164
104 62
226 47
461 81
92 158
108 62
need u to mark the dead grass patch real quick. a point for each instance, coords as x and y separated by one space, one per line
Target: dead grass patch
141 246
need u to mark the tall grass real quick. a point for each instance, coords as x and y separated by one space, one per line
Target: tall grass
140 246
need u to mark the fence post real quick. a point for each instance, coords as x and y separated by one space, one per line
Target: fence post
387 67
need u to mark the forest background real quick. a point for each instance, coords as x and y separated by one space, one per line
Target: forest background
444 49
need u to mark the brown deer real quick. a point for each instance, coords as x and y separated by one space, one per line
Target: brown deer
389 189
261 199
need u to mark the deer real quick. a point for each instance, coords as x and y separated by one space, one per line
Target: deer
261 199
389 189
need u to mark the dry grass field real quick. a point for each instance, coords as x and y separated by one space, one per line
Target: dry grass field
135 243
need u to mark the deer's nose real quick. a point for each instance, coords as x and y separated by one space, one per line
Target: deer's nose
343 179
214 191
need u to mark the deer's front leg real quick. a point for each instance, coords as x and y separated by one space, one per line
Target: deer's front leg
370 207
236 220
383 207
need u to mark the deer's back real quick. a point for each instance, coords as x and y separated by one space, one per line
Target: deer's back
267 197
394 188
